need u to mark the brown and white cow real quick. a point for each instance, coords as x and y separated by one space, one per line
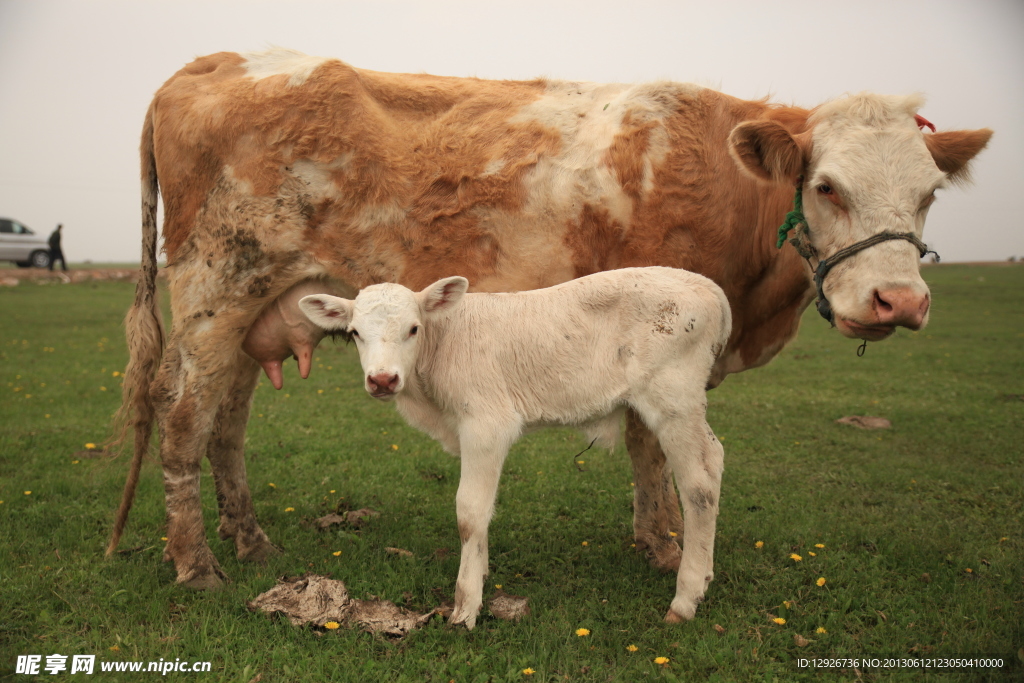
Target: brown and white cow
282 171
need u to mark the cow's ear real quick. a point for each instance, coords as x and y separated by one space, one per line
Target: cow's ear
954 149
443 294
767 151
327 312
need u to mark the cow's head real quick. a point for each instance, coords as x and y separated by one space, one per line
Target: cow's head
387 322
865 167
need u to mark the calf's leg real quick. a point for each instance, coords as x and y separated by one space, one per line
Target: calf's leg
655 506
697 458
226 451
483 454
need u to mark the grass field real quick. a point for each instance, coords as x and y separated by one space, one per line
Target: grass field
918 531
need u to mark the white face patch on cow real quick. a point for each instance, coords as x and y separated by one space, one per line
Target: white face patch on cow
870 172
277 61
385 321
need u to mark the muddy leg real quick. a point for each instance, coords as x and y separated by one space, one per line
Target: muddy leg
226 452
186 396
655 504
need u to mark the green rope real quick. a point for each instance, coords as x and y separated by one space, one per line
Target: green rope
794 217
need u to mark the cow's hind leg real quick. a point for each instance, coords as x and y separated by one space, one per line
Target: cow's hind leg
697 459
655 506
226 451
193 379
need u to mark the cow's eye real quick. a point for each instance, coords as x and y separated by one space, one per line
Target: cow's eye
414 330
825 189
355 332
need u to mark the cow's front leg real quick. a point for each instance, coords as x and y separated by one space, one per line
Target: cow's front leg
655 506
186 394
483 454
226 451
697 459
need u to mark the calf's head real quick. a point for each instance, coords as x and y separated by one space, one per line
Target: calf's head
865 167
387 322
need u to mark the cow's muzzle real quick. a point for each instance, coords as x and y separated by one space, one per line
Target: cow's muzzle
383 385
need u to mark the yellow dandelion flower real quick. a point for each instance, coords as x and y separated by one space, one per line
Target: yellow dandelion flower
796 558
812 554
820 629
661 660
1004 538
779 620
115 374
498 586
632 648
163 538
28 493
581 462
759 545
103 388
332 625
337 553
528 671
332 490
819 545
319 391
47 416
583 632
585 543
90 446
289 509
820 581
787 604
114 648
394 446
672 534
73 462
272 485
969 570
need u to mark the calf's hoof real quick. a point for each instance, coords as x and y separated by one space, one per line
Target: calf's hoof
673 618
462 617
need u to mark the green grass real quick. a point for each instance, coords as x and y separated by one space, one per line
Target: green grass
902 514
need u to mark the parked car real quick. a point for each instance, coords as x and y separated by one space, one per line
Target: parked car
21 245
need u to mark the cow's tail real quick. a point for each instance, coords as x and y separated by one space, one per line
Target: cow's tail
144 329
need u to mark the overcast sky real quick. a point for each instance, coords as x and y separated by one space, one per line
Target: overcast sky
76 77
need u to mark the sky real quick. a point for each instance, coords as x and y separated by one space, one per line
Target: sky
76 77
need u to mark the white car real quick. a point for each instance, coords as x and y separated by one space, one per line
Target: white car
21 245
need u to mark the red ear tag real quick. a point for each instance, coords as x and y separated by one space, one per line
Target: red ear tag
922 122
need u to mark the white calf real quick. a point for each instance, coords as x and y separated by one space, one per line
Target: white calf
475 370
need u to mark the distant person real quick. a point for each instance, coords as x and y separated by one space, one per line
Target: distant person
55 250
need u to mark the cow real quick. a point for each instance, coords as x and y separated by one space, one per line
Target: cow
280 170
475 370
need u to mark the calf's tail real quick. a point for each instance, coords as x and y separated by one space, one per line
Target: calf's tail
144 329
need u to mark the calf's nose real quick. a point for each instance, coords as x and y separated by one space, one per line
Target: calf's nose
901 306
382 382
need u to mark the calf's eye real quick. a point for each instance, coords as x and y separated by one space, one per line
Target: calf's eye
414 330
355 332
825 189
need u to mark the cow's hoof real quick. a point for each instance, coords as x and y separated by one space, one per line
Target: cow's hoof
663 554
259 552
209 580
459 617
673 618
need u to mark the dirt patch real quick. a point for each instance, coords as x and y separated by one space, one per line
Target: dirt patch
15 276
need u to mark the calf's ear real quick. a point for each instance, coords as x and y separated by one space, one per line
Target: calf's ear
767 151
327 312
443 294
954 149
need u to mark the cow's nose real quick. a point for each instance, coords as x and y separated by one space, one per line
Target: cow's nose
901 306
382 383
